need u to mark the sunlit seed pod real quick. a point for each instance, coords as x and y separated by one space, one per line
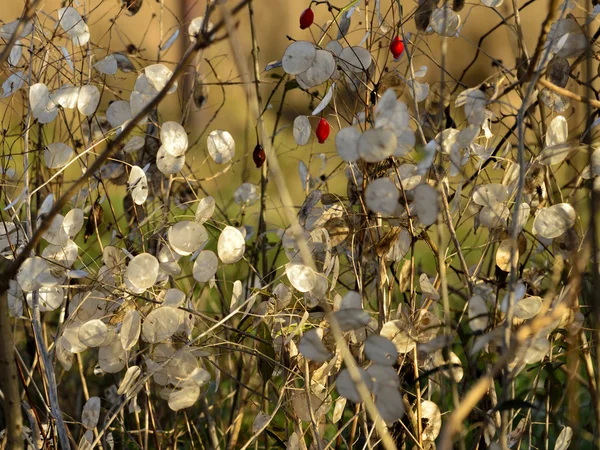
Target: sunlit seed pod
160 324
174 138
142 270
138 185
425 203
494 216
87 102
490 194
398 331
381 196
563 441
355 59
70 335
431 412
427 287
478 313
205 209
56 234
50 298
93 333
503 255
302 277
43 108
107 66
205 266
71 21
66 96
57 155
186 237
196 25
158 75
30 270
221 146
118 113
321 69
302 130
298 57
185 398
167 163
558 131
555 220
346 143
231 245
375 145
130 329
129 380
90 413
527 307
173 297
112 358
65 358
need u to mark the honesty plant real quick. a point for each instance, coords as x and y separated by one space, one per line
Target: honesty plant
430 278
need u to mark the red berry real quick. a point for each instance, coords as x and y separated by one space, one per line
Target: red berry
306 18
259 155
397 47
322 130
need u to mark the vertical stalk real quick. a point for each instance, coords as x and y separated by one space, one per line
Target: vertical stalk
9 383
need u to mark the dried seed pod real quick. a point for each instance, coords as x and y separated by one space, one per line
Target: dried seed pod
338 230
386 242
132 6
200 92
558 71
94 220
556 102
457 5
423 14
434 103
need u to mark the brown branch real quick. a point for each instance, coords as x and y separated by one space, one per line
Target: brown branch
566 93
9 383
